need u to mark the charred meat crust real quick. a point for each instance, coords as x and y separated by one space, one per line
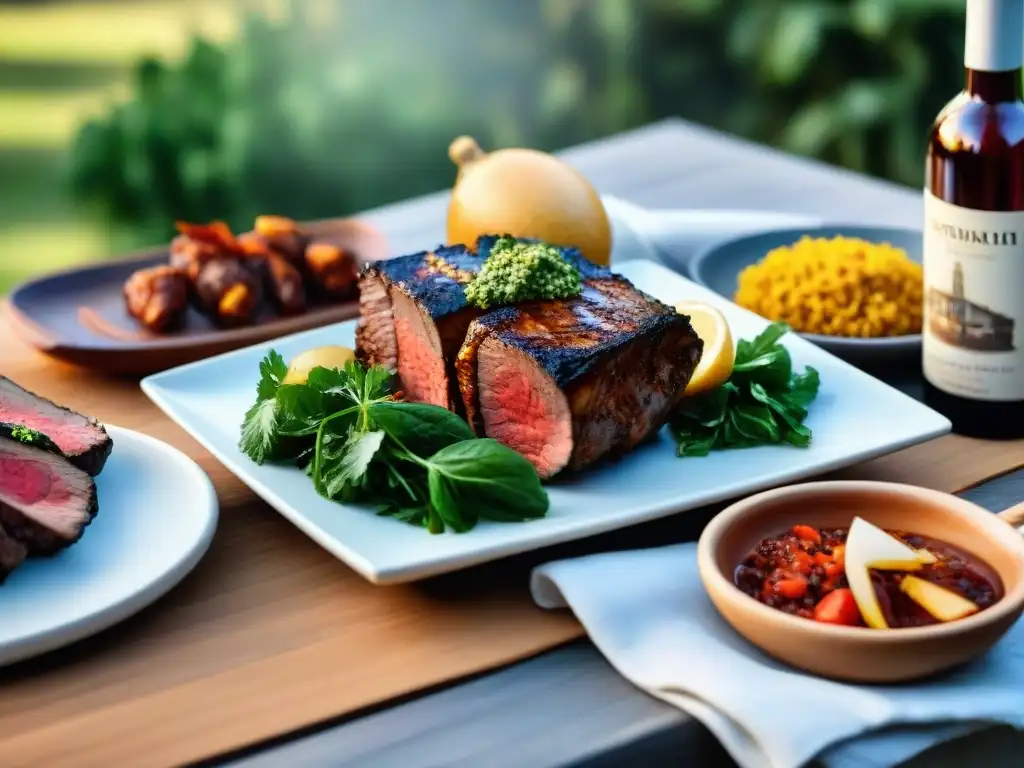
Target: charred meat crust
570 337
12 553
90 459
434 280
434 283
621 357
37 537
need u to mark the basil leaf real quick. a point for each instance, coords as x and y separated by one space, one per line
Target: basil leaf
804 387
444 498
797 434
697 444
709 409
422 429
773 368
768 338
489 480
756 423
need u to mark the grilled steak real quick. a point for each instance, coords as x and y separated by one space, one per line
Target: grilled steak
566 383
83 440
413 319
12 553
414 316
45 500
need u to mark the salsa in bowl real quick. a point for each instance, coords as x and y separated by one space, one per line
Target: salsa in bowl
803 572
864 581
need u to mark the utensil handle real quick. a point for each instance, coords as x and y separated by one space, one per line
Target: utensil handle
1014 515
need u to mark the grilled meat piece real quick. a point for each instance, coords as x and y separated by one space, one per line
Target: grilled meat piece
282 279
331 269
413 319
568 382
284 284
12 553
229 292
81 439
283 236
414 316
45 501
199 244
157 297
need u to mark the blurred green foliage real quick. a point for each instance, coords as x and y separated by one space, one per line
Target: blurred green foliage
346 104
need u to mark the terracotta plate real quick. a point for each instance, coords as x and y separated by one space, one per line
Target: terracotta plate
79 316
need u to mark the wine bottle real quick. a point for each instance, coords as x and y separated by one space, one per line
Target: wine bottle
973 333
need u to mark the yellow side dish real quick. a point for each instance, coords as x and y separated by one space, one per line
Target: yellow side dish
840 286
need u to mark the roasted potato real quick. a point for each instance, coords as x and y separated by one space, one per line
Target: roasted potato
319 357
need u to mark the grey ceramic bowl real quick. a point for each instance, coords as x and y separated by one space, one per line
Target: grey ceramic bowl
718 267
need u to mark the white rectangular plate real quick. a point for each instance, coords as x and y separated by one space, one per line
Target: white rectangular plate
855 417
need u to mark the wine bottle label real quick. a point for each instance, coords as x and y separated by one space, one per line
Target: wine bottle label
973 300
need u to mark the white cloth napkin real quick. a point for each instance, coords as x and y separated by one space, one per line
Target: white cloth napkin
648 613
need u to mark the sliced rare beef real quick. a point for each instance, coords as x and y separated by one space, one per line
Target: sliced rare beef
83 440
12 553
45 501
566 383
414 317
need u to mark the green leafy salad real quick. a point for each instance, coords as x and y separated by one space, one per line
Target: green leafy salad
763 402
358 443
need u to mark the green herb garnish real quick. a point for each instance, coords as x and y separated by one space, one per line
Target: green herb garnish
516 271
29 436
763 402
419 463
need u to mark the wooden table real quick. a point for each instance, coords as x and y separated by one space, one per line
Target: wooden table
565 707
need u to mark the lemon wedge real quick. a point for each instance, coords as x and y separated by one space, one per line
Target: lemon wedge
867 547
943 604
716 363
318 357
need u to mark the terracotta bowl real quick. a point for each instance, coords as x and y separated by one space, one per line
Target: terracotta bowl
860 654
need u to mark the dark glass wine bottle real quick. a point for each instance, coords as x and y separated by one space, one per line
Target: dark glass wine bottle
973 334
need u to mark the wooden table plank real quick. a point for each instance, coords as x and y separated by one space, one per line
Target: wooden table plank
271 634
568 707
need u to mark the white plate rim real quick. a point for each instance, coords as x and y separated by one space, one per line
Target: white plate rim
59 636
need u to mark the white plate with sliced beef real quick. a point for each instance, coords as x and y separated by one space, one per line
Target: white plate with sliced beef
578 406
95 523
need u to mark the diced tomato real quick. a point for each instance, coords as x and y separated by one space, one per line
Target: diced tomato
793 588
820 558
838 607
802 562
807 533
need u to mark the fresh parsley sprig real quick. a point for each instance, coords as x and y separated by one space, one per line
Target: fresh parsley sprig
763 402
418 463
